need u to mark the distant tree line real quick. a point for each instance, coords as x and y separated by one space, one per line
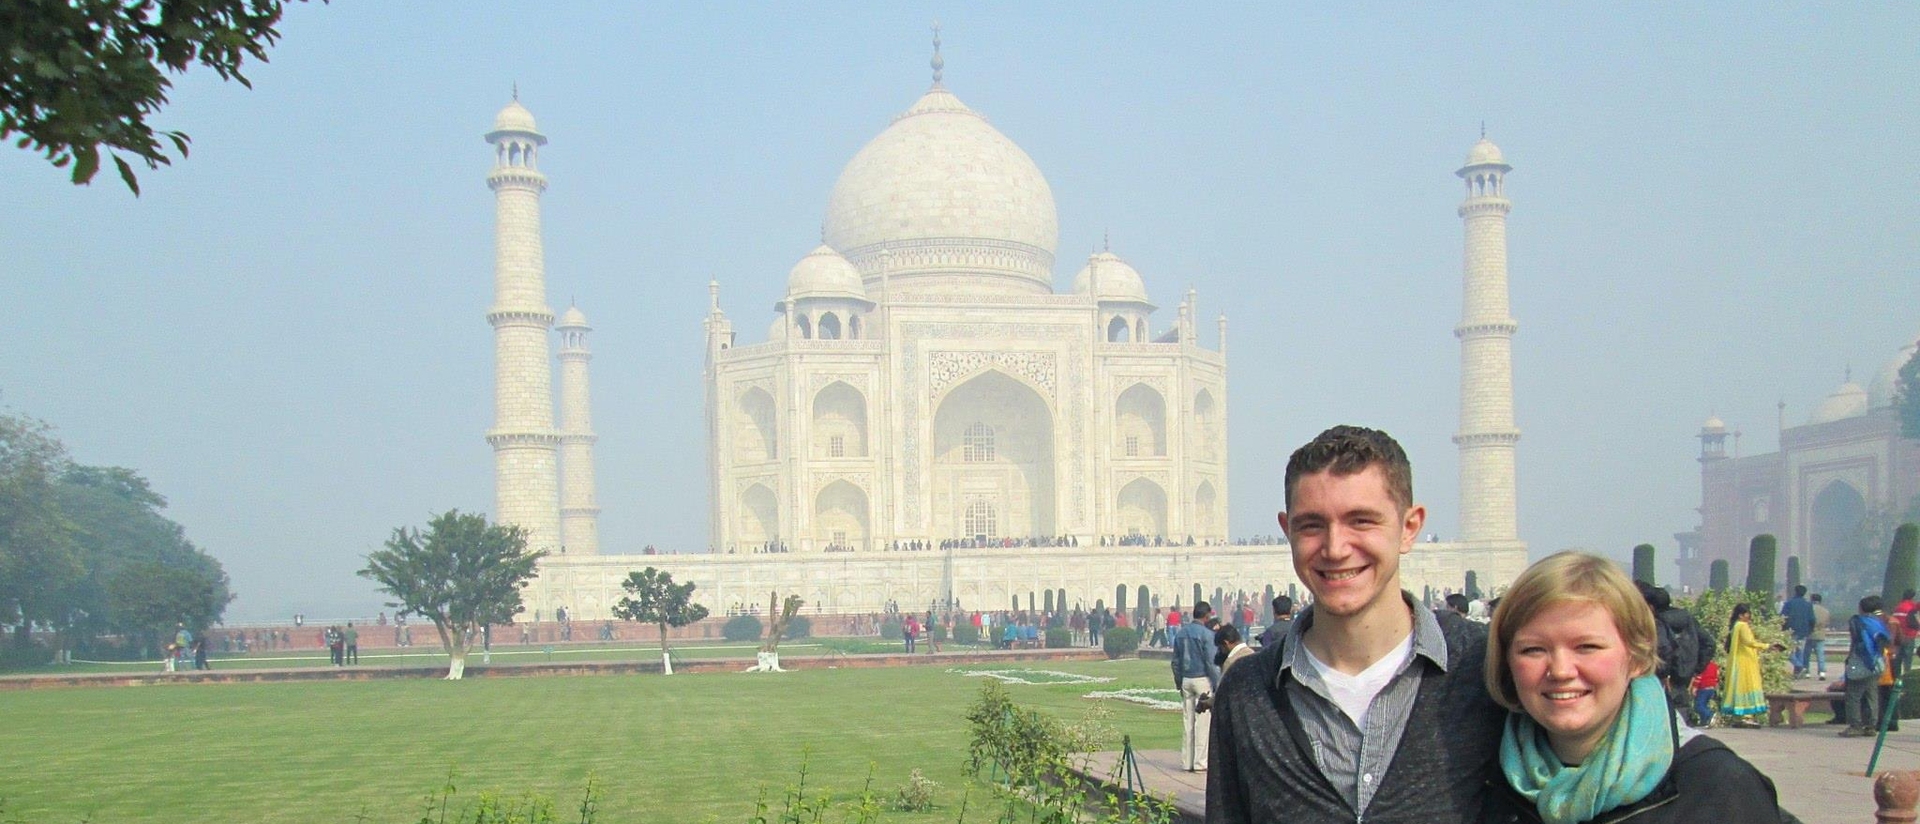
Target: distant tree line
86 554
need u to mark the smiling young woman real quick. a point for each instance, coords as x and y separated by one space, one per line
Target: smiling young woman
1592 738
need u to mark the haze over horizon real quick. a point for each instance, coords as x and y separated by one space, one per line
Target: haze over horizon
1714 211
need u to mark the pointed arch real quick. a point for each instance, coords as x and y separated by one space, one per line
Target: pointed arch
1140 423
841 516
759 517
1012 472
1834 520
1118 331
1206 511
839 412
829 326
1205 430
806 326
1141 509
756 432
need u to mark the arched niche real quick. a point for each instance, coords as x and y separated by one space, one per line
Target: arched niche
829 326
806 326
1118 331
1015 476
756 435
1140 423
1836 516
1206 426
1206 510
840 517
1141 509
839 412
759 516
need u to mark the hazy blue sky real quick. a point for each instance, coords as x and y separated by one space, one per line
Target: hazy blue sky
1714 209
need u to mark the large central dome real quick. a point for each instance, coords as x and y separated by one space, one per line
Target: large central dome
952 203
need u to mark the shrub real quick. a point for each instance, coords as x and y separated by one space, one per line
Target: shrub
1762 553
742 628
1903 563
890 628
1120 642
1717 575
798 627
966 633
1059 638
938 632
916 796
1643 564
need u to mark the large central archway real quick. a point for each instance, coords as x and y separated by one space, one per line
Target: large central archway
993 452
1838 512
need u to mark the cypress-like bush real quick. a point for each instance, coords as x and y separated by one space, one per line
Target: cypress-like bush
1903 563
1643 561
1473 585
1717 576
1793 573
1762 551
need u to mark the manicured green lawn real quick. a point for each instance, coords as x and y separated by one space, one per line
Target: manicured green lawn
691 747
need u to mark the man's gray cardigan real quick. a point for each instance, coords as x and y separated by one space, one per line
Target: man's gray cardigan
1262 766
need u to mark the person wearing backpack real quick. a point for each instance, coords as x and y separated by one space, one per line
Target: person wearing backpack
1866 637
1683 648
1798 612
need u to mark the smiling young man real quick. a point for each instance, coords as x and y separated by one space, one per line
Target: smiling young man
1370 708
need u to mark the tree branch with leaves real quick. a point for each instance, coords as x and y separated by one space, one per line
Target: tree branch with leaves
461 573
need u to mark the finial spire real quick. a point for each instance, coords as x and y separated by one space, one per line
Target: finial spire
516 91
937 63
1106 240
1483 130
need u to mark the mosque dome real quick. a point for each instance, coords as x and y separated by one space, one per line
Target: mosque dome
1116 280
573 318
514 118
1849 401
823 273
947 201
1484 153
1886 382
1713 426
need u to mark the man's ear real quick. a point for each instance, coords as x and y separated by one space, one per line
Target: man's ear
1282 517
1410 523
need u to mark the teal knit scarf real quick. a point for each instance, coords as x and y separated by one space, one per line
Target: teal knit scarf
1626 767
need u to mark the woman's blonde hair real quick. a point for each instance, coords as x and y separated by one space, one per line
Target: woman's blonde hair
1557 579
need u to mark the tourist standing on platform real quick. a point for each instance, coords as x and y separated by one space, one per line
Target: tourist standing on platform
1372 707
1816 651
1196 676
1592 737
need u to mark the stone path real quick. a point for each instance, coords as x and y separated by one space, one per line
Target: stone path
1820 777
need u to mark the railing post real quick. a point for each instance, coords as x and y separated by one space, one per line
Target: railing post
1895 792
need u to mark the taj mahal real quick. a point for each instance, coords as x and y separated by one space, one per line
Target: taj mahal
929 420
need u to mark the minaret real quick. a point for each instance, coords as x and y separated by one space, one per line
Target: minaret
1487 434
525 472
579 512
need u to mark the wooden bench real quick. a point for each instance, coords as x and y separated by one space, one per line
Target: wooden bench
1794 705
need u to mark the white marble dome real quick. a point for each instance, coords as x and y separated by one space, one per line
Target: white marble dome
1886 382
1713 425
824 273
1115 280
1849 401
1485 153
947 198
573 319
514 118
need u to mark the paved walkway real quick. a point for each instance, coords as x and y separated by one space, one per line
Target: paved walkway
1820 777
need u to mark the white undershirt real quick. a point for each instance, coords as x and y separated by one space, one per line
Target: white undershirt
1355 693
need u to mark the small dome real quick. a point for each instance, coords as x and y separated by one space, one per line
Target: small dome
1886 382
823 273
514 118
1116 280
778 331
1713 426
1485 153
573 319
1849 401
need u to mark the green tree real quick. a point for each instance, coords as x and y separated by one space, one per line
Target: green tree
1717 575
1472 589
1643 563
653 598
79 76
38 556
1762 552
1903 563
1793 573
148 598
461 573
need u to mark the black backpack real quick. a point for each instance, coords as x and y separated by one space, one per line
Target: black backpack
1684 648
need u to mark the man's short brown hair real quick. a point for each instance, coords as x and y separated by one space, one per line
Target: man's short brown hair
1346 450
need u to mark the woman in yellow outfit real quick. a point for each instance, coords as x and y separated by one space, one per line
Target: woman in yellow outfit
1743 698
